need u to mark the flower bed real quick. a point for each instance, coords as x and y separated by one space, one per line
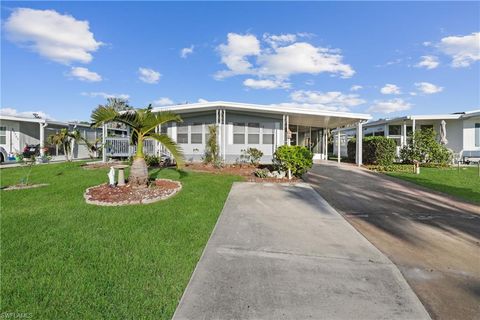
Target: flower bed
105 195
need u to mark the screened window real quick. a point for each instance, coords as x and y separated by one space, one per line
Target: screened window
267 135
182 134
3 135
409 130
253 133
380 133
394 130
477 134
239 133
90 136
196 133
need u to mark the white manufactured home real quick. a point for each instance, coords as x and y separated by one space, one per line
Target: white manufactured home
18 132
241 126
462 131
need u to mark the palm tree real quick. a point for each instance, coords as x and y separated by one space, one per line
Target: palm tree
143 123
65 139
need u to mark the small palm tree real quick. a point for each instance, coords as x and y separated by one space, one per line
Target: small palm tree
65 139
143 123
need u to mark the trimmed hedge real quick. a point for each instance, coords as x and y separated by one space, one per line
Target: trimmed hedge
296 158
376 150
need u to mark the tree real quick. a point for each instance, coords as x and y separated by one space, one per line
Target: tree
65 139
424 147
143 123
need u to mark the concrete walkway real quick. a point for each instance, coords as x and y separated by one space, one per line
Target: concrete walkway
281 252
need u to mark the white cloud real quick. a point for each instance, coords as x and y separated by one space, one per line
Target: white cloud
200 100
356 87
332 100
390 89
266 84
84 74
428 62
389 106
163 101
57 37
428 88
149 75
279 39
23 114
281 59
105 95
234 54
464 50
315 106
302 57
185 52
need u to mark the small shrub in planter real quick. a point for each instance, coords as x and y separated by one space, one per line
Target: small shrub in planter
261 173
296 159
252 155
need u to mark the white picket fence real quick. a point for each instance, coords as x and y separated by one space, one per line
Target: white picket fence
120 147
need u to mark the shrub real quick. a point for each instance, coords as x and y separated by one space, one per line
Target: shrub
351 149
261 173
424 147
297 159
252 155
376 150
379 150
152 160
211 148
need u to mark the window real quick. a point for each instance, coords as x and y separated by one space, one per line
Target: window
477 134
267 135
3 135
368 134
90 135
379 133
394 130
253 133
409 130
182 134
239 133
426 126
196 133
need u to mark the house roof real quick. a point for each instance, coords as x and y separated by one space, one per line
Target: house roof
39 120
298 116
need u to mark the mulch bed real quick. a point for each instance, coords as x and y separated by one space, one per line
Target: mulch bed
244 170
100 165
104 195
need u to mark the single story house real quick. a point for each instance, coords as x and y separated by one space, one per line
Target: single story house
18 132
462 131
241 126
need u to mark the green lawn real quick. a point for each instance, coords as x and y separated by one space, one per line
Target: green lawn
463 183
64 259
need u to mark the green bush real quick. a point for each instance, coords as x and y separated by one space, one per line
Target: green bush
297 159
152 160
351 149
425 148
252 155
261 173
211 148
377 150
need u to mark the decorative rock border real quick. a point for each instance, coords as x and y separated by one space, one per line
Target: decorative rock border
147 200
23 187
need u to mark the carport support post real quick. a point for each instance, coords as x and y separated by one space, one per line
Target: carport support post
359 145
338 145
42 138
104 143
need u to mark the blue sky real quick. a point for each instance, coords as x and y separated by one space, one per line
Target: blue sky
386 59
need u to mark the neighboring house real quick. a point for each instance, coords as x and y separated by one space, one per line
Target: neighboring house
18 132
242 126
463 131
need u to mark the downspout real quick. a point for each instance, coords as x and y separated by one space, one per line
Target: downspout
42 138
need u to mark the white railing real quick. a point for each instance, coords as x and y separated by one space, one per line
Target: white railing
120 147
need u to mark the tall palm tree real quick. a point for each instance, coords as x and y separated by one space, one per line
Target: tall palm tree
143 123
65 139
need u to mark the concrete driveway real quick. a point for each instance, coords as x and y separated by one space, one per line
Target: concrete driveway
281 252
433 238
